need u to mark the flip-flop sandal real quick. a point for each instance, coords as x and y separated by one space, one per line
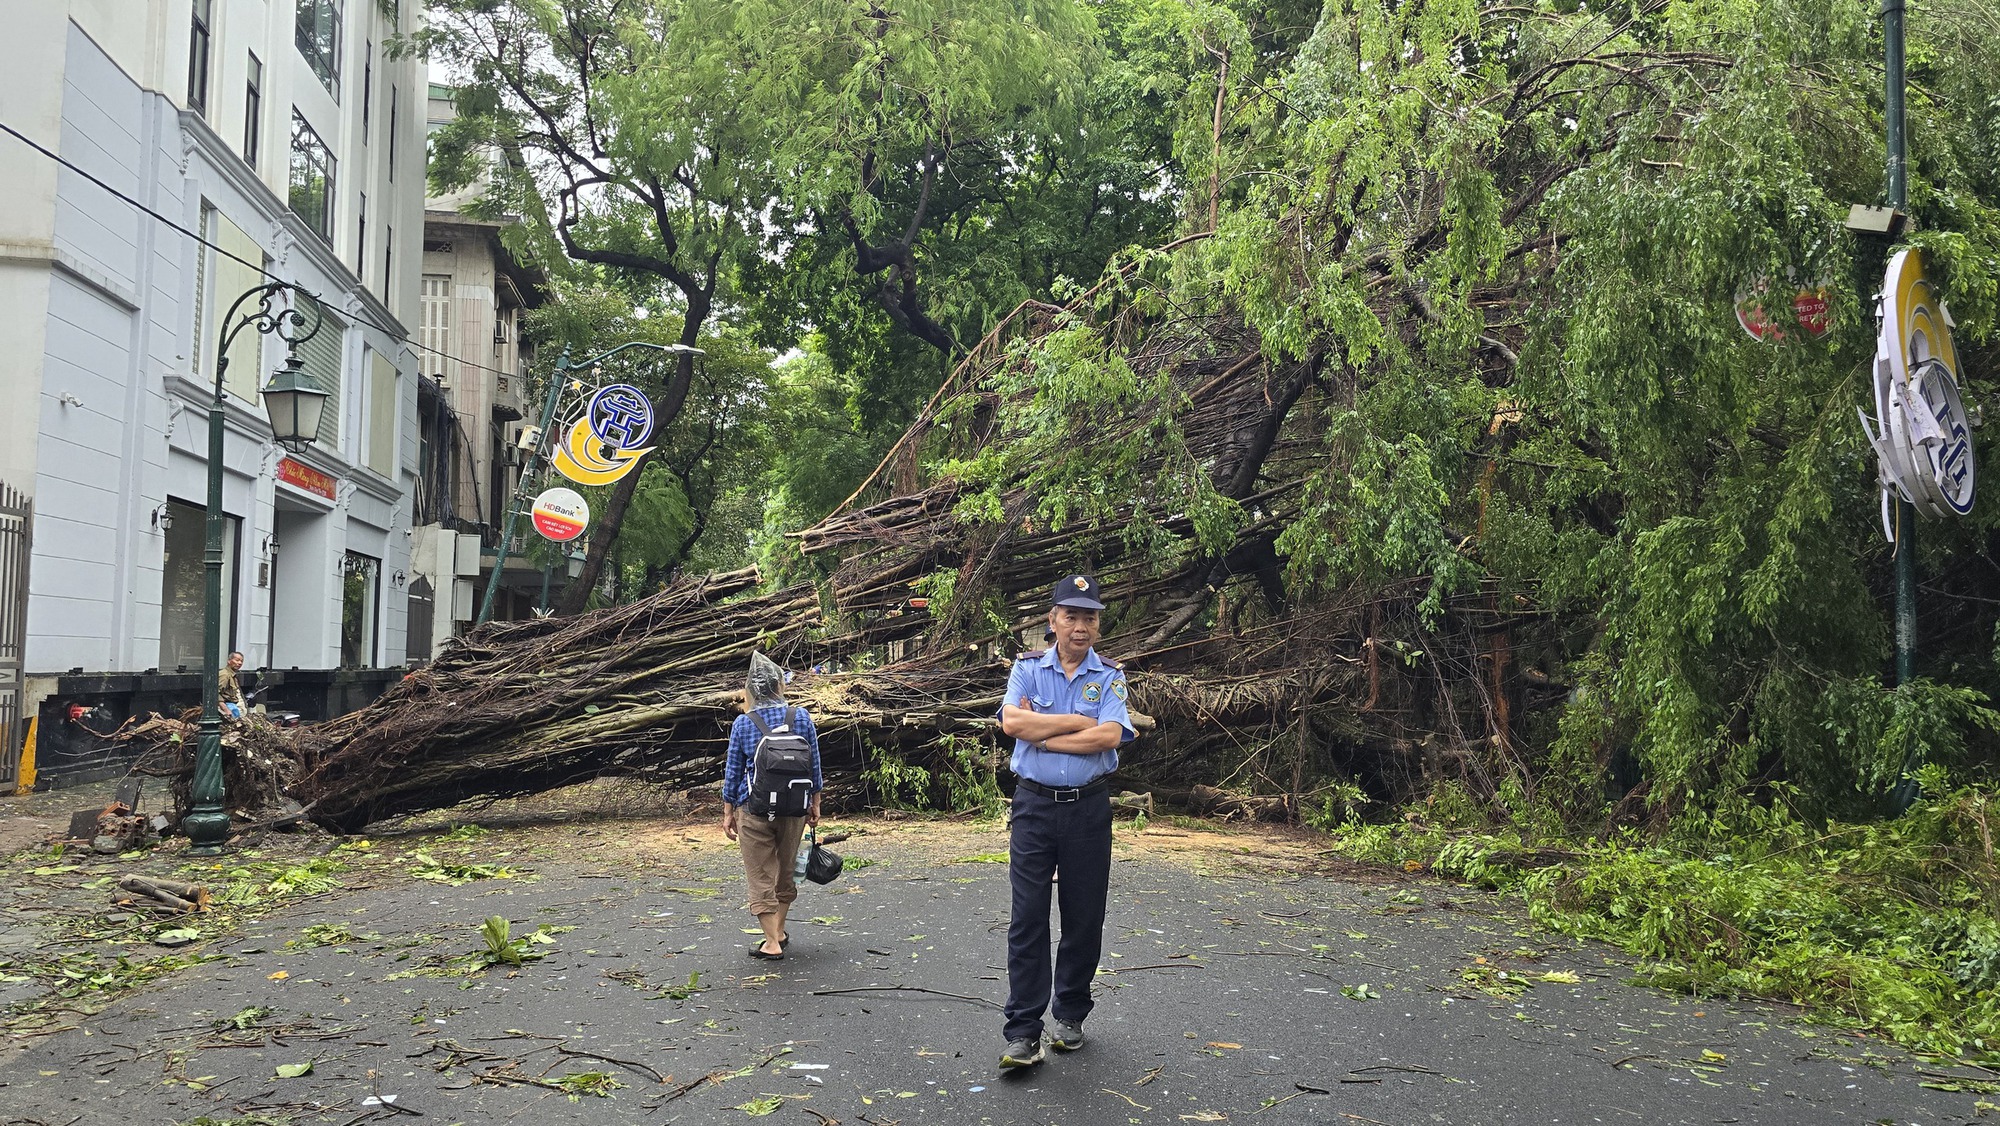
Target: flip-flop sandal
757 951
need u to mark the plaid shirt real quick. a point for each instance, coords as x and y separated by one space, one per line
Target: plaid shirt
743 740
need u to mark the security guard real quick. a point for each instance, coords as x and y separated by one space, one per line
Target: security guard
1065 708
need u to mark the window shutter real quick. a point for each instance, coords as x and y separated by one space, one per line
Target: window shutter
382 395
320 356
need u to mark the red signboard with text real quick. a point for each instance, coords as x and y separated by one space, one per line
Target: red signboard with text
305 478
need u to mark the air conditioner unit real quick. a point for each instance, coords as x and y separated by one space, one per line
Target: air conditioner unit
523 439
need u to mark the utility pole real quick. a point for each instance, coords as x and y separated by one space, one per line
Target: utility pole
529 473
537 458
1906 513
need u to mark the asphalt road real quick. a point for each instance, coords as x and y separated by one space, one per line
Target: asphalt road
1238 985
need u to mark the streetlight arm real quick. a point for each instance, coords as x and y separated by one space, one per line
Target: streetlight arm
266 321
671 349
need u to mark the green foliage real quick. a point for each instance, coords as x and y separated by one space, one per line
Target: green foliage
504 949
971 776
311 878
424 866
1517 259
895 782
683 992
1886 926
597 1084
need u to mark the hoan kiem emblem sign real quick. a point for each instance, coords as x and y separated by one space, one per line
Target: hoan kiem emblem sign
1921 435
604 443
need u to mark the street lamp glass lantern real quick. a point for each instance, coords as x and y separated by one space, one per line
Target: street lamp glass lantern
295 405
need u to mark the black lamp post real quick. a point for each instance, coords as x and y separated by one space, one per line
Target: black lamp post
294 406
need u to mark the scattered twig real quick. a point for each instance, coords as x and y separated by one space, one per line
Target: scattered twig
638 1067
1278 1102
907 989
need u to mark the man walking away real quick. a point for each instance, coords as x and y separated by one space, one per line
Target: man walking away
1065 708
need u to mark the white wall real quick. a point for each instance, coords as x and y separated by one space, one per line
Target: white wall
103 397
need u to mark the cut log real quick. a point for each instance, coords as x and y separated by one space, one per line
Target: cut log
176 894
1209 801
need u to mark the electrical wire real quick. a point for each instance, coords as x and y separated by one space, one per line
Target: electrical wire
393 333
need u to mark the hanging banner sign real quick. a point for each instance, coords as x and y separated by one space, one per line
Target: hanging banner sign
560 514
1921 435
621 415
582 456
305 478
1811 306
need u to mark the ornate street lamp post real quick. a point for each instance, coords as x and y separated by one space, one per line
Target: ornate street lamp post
294 406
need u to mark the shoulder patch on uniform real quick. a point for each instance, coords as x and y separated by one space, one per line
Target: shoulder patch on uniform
1030 654
1118 687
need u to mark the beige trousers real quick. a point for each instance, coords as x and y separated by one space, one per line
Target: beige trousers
770 849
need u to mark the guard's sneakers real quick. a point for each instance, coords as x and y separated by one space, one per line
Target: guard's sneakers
1065 1036
1021 1053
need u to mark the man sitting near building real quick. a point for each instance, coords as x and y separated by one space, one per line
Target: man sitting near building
229 693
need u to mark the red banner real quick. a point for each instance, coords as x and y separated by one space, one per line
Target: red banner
305 478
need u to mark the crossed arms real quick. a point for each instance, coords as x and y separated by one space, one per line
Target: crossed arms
1059 731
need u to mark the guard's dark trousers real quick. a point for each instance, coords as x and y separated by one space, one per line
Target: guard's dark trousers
1076 837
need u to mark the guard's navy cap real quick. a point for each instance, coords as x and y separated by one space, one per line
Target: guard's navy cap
1079 591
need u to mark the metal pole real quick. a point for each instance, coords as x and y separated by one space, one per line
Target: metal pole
207 824
563 368
1897 128
1906 513
556 382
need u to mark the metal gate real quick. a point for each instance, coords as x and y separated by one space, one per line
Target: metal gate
16 520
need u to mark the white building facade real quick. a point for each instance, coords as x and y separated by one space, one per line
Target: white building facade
285 134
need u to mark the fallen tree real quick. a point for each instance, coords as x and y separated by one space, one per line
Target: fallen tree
903 650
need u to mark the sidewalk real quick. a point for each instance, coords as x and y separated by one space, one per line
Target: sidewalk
28 820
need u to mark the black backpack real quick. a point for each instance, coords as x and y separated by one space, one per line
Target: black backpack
781 769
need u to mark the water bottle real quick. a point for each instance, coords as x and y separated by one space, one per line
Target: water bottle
805 855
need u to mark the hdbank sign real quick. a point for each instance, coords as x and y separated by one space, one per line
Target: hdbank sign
560 514
1922 438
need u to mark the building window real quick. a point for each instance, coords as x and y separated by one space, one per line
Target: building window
367 85
361 234
388 263
227 274
253 111
183 584
434 326
312 178
395 104
361 575
318 38
199 36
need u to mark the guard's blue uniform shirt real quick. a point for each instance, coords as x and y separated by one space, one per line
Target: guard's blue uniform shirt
1097 690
